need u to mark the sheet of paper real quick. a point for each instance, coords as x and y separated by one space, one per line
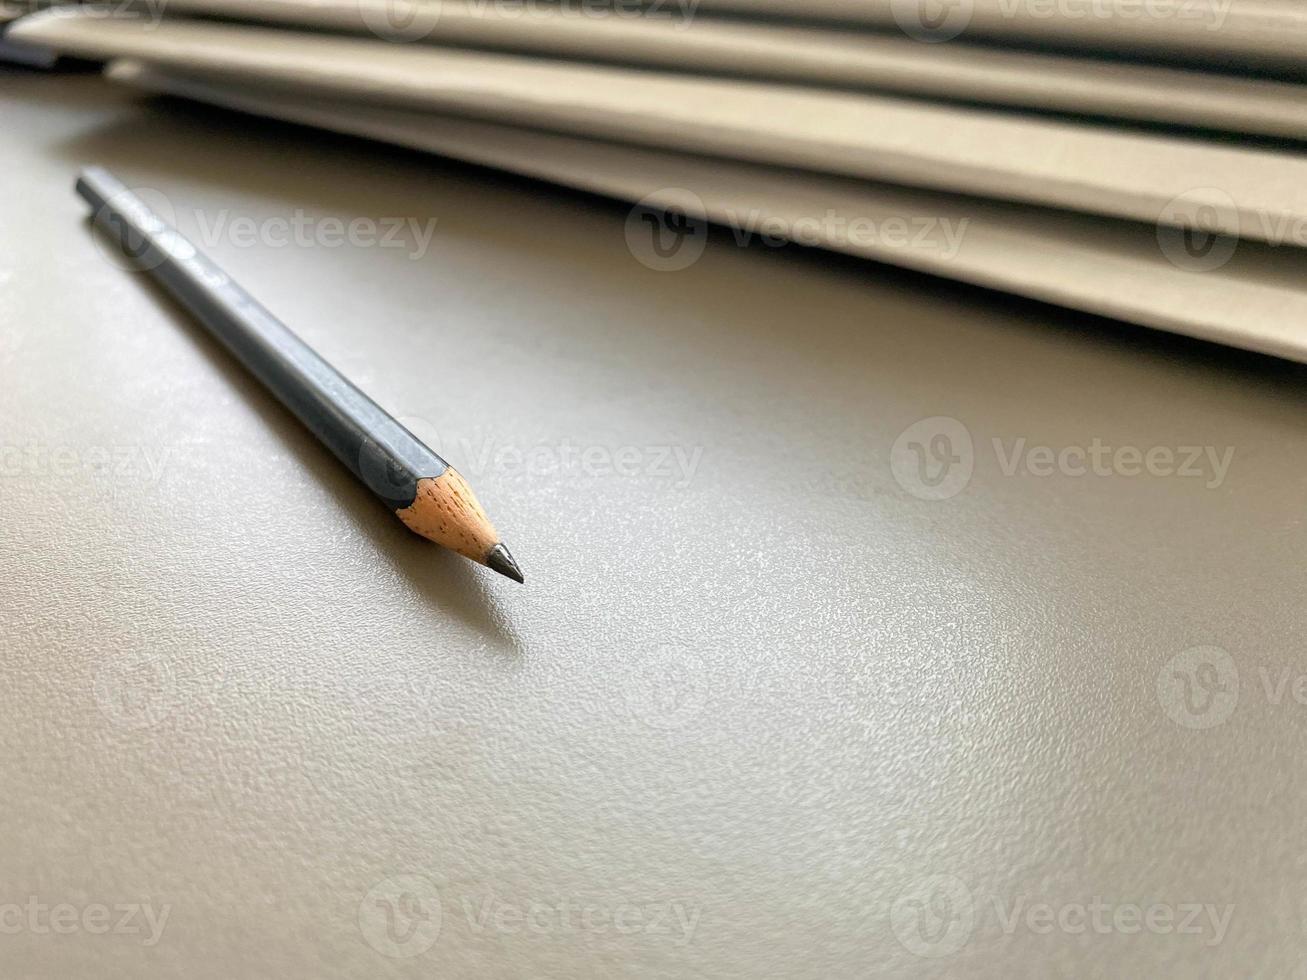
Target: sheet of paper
30 56
787 52
1268 35
1256 194
1232 292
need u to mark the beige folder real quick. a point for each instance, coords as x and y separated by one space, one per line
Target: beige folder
786 52
1256 194
1264 34
28 55
1236 292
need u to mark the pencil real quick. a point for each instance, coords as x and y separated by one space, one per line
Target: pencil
424 491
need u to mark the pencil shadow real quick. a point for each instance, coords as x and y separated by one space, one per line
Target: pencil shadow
443 579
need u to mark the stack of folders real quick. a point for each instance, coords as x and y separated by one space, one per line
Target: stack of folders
20 54
1139 160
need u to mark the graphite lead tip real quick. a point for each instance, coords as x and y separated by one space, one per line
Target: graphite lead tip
501 561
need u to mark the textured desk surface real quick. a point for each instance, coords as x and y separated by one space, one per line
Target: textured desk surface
762 710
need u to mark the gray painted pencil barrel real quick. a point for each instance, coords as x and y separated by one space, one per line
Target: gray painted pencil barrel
378 450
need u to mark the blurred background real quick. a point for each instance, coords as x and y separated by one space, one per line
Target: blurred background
895 405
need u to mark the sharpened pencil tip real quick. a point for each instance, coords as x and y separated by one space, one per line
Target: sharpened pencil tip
501 561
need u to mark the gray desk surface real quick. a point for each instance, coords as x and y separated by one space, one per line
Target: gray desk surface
747 719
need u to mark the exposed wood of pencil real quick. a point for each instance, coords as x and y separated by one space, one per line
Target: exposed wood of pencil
447 512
